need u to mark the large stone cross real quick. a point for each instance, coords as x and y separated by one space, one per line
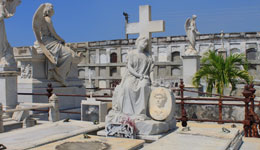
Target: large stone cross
145 26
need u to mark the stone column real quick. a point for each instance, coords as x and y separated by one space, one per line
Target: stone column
97 75
1 119
155 71
8 86
191 64
97 56
107 76
87 56
54 112
119 59
168 71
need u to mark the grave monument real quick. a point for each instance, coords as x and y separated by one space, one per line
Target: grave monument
191 57
8 67
130 113
49 61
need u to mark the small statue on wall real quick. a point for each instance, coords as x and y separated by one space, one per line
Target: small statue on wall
26 71
191 32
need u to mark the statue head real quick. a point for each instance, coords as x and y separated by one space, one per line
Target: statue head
141 43
194 17
48 10
161 99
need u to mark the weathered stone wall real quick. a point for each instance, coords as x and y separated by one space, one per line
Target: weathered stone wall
105 60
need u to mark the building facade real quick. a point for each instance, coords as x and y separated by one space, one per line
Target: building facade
104 61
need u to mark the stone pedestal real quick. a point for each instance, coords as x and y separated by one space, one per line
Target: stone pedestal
93 111
191 64
8 86
33 79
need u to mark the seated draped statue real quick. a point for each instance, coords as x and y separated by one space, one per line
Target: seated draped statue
7 10
52 45
132 94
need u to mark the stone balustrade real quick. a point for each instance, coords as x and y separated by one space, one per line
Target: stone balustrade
53 105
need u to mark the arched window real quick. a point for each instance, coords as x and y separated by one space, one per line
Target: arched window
251 54
176 57
113 58
234 51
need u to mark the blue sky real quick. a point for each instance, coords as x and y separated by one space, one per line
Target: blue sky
94 20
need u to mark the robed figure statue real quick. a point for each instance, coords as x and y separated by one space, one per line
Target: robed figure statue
7 10
52 45
191 32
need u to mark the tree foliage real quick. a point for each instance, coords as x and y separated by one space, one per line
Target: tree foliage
220 72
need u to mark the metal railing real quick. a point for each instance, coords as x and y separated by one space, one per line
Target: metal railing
251 120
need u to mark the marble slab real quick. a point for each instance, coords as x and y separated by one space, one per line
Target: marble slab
46 133
199 138
113 143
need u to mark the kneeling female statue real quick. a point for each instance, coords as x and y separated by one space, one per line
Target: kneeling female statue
132 94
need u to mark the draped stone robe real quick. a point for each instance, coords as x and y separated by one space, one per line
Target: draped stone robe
132 95
6 51
61 54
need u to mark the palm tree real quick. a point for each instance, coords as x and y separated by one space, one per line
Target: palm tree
220 72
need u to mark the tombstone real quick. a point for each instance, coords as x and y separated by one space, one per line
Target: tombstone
191 64
103 71
92 57
161 104
124 56
234 51
102 84
39 69
130 99
145 27
162 56
176 72
8 66
92 110
191 57
103 58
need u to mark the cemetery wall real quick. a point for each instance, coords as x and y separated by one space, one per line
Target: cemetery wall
104 61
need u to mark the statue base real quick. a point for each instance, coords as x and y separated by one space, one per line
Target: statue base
8 84
142 124
152 127
34 79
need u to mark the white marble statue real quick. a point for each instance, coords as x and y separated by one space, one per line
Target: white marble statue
7 10
191 32
52 45
131 96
